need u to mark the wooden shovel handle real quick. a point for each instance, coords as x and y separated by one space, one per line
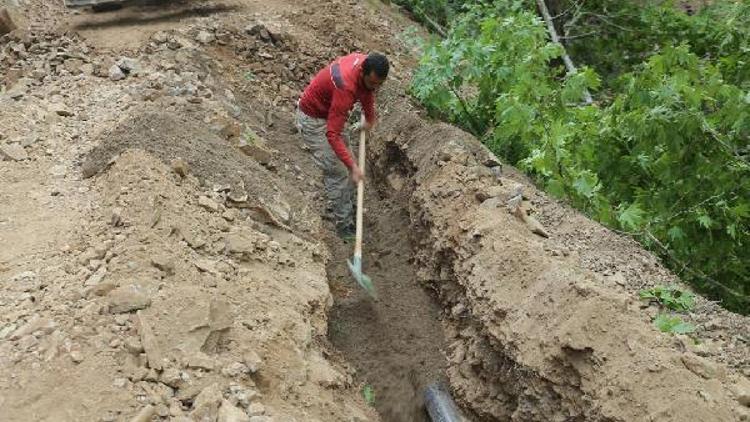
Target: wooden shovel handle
360 189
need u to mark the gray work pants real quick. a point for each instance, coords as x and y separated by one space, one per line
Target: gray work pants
339 188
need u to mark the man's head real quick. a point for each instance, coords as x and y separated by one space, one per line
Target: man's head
375 71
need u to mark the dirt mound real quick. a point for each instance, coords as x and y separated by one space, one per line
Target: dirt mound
535 335
180 135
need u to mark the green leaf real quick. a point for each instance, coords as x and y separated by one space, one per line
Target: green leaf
632 218
673 324
368 393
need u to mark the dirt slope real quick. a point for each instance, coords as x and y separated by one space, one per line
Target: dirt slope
535 333
164 256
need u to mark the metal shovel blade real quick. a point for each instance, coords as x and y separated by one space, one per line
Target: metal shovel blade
355 266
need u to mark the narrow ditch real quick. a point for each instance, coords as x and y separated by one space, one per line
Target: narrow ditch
396 342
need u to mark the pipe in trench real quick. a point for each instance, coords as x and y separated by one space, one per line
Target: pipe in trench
440 405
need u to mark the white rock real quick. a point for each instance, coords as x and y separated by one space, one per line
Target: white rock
115 73
230 413
205 37
13 152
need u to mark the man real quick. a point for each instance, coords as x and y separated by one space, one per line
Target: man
321 116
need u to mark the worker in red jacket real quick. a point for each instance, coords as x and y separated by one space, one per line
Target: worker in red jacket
322 113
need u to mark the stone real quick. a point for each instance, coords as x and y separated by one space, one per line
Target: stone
133 345
253 362
154 354
252 145
207 403
60 109
116 219
101 289
741 390
13 152
116 74
200 361
261 419
700 366
127 64
230 413
171 377
256 409
208 203
235 370
180 167
36 323
76 356
145 414
97 277
127 299
206 265
163 263
205 37
6 23
489 192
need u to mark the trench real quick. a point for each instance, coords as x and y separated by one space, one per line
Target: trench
394 343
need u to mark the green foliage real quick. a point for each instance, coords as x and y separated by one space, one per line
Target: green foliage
368 393
663 155
670 297
673 324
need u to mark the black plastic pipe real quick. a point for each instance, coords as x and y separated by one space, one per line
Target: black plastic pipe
440 405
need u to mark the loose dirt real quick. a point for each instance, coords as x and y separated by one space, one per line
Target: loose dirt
395 342
164 253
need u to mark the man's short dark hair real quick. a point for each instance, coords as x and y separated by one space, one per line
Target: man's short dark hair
378 63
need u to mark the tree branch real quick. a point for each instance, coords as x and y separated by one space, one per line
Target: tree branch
556 39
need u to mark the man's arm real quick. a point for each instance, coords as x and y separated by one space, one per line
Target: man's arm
337 116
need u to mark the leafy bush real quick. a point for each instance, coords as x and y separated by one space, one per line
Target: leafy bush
670 297
673 324
665 154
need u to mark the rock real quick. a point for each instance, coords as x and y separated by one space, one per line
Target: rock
489 192
127 299
160 37
163 263
208 203
205 37
145 414
127 64
741 391
207 404
261 419
206 265
256 147
395 181
253 362
171 377
13 152
76 356
180 167
150 345
133 345
6 23
35 324
60 109
101 289
116 219
200 361
97 277
230 413
235 370
116 74
256 409
700 366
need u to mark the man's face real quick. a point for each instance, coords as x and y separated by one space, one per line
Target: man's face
373 81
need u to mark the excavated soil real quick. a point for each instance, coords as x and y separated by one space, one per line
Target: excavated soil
157 267
395 342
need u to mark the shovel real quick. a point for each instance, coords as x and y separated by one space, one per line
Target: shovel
355 264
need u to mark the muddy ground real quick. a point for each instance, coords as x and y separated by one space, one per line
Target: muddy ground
164 255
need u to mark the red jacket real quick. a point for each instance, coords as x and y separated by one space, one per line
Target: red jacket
331 96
